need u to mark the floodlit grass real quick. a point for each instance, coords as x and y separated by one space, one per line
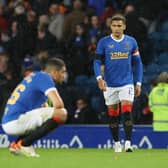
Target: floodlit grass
87 158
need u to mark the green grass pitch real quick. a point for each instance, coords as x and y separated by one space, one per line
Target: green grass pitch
87 158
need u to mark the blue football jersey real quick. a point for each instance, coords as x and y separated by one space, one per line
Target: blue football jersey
117 57
30 94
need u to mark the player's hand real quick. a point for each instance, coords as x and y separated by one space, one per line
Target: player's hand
137 90
101 84
45 104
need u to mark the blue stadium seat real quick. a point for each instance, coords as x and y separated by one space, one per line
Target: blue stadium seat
92 86
97 103
146 82
148 77
164 27
163 58
81 80
146 88
152 68
154 36
92 80
164 68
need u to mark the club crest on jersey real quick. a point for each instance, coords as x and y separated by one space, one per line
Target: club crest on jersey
126 45
111 46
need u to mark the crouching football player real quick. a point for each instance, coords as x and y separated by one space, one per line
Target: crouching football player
25 118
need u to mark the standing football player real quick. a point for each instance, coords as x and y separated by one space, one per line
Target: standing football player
24 115
119 52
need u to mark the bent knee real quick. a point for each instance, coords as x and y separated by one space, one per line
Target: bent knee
64 114
61 114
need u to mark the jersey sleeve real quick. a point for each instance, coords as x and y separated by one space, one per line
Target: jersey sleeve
45 83
136 58
135 50
98 59
100 47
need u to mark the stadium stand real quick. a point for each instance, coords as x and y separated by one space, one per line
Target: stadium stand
27 31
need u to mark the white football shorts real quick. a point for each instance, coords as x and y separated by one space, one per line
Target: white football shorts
28 121
114 95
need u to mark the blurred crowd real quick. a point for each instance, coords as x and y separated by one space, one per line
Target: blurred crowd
31 31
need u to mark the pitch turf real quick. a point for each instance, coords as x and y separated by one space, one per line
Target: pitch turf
86 158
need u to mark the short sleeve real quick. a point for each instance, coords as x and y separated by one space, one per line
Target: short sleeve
45 83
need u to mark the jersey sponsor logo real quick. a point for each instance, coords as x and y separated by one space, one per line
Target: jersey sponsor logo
119 55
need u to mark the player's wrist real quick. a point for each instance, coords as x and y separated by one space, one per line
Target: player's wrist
99 77
139 83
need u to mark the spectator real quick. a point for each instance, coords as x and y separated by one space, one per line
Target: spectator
3 20
27 66
84 114
109 11
31 31
46 41
140 111
158 103
78 50
56 21
95 29
106 28
5 41
40 6
4 58
74 17
43 20
98 6
8 80
40 59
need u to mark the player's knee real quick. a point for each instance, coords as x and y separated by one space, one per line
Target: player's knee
113 112
60 115
64 114
126 108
